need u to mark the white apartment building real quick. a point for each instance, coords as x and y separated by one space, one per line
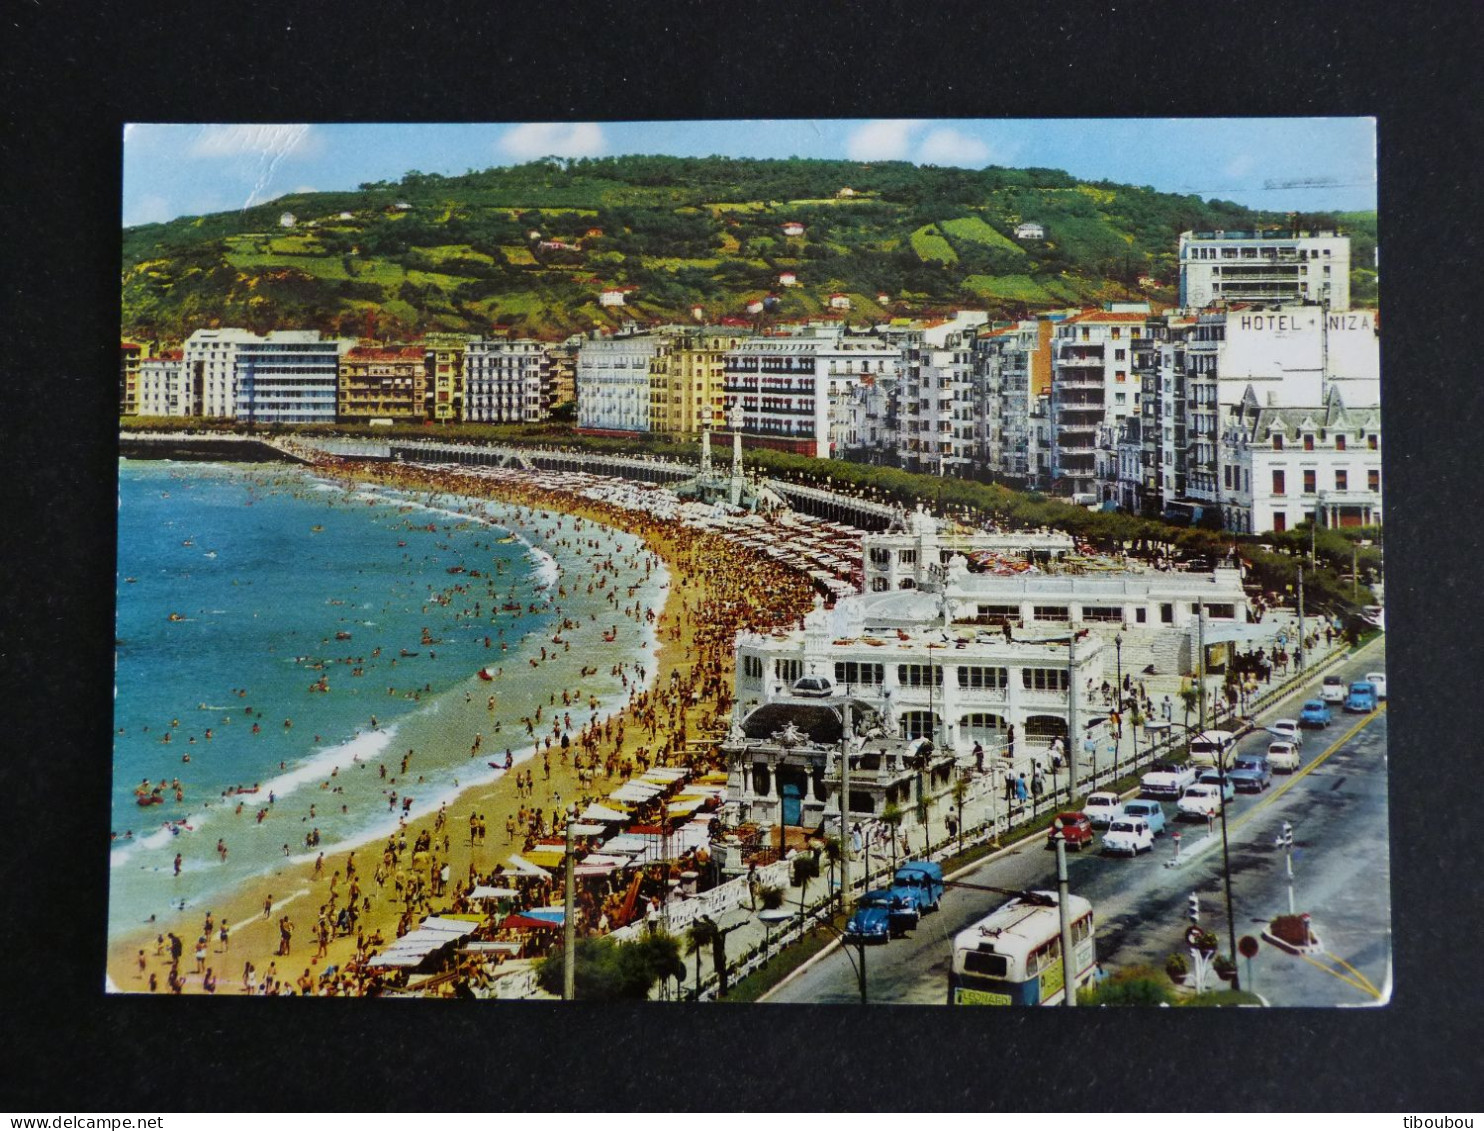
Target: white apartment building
210 358
289 377
1274 267
802 393
1011 379
1092 385
507 381
935 398
613 382
162 388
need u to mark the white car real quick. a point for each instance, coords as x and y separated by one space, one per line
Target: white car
1128 835
1378 681
1284 756
1199 802
1287 730
1332 690
1102 807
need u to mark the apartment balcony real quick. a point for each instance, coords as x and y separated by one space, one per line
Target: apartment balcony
1081 358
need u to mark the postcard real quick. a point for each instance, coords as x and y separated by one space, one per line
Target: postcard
901 562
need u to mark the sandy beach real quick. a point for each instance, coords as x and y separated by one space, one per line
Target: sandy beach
716 589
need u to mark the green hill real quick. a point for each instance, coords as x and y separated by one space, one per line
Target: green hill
529 247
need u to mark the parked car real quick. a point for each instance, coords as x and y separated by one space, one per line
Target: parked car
1210 747
1199 802
1225 785
1314 713
1075 827
1284 757
1150 812
1362 698
871 922
1250 773
1128 834
1333 689
921 882
814 686
1102 807
1378 681
1166 779
1288 728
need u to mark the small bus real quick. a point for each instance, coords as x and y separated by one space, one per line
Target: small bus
1013 957
1211 747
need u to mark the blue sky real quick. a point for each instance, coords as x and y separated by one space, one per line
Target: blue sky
1279 164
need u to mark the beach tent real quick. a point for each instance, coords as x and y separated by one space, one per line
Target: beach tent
523 867
636 792
544 857
446 926
597 812
490 948
483 892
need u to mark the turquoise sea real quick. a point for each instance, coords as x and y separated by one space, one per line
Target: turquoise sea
349 625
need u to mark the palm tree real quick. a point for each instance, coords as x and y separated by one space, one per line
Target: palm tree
891 817
1190 697
702 933
833 847
805 868
960 792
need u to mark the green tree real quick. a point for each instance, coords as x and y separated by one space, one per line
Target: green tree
891 817
615 971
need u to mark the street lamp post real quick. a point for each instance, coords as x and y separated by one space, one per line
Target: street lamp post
1226 863
1118 700
1063 901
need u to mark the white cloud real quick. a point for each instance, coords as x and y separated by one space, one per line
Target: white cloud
274 142
947 146
882 140
553 139
1239 165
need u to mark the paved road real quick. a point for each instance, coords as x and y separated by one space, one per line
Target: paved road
1337 805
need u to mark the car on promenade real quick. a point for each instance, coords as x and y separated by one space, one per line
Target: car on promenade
1199 802
1150 812
1314 714
1101 807
1075 827
1224 784
1284 757
871 922
1332 690
1166 779
1378 681
1362 698
1250 773
1128 835
1288 728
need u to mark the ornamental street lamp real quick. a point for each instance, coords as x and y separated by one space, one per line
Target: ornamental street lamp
1226 864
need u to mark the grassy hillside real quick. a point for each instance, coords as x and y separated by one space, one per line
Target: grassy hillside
530 247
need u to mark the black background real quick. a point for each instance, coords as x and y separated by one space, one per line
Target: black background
72 74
